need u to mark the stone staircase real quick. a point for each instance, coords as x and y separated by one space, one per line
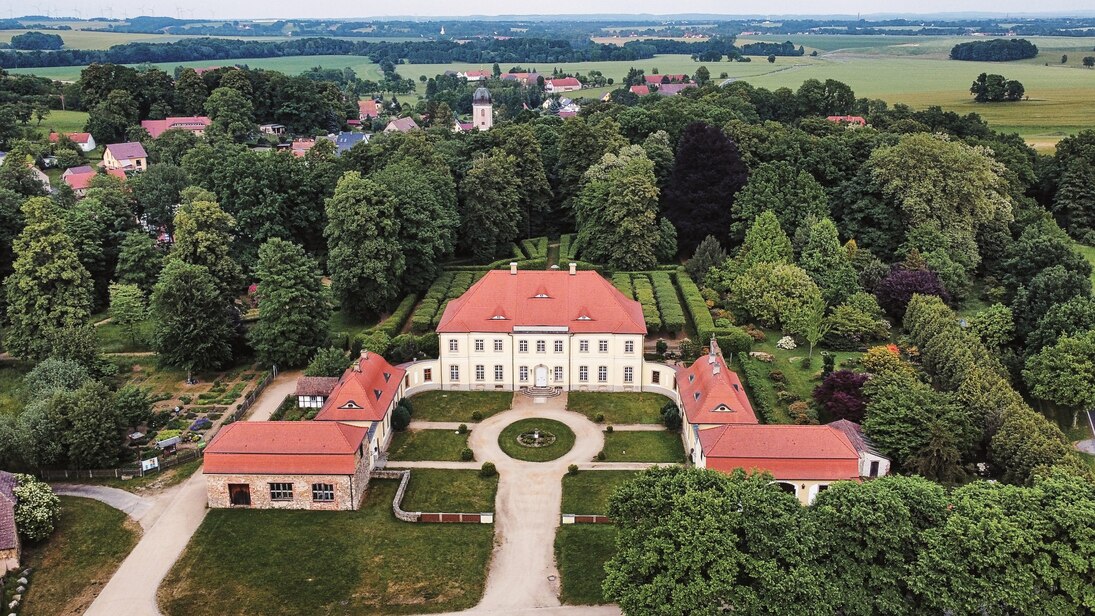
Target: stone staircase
541 392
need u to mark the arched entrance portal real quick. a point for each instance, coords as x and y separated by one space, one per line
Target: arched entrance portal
541 376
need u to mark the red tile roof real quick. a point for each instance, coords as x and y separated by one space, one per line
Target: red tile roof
479 73
583 302
568 82
9 536
712 393
73 137
285 447
787 451
402 124
368 108
848 120
364 392
640 90
78 179
668 78
316 385
156 128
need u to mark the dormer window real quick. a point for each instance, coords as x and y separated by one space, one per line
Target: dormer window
378 393
387 376
696 395
541 296
351 405
584 317
498 317
691 377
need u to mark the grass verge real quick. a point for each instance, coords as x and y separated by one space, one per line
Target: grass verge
588 492
618 408
564 440
581 551
150 482
622 446
444 445
459 405
319 562
71 567
449 491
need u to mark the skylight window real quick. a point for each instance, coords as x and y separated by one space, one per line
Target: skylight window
584 317
498 317
541 296
350 404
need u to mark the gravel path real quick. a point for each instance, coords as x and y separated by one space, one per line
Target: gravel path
136 507
440 425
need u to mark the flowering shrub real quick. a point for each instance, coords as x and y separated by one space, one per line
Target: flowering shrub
786 343
201 424
36 509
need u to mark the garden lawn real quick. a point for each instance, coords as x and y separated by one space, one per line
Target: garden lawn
458 405
625 446
618 408
115 339
449 491
318 562
351 324
587 493
71 567
444 445
564 440
581 551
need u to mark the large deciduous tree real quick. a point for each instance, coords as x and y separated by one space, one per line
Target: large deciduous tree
827 262
232 115
191 326
365 257
1064 373
794 195
294 306
616 211
700 193
203 236
139 261
490 216
49 288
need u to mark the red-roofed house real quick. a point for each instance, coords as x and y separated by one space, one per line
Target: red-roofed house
849 121
194 124
565 84
401 125
710 395
640 90
662 79
288 465
367 109
9 535
84 141
543 330
366 394
125 156
313 391
79 178
477 75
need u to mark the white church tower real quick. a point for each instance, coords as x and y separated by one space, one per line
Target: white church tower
482 110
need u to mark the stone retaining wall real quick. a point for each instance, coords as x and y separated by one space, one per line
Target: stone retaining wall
404 478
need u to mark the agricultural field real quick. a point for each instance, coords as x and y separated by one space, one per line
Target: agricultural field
63 122
99 39
292 65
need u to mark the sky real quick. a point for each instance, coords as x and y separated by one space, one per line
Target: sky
255 9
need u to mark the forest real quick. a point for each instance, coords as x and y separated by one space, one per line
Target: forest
995 50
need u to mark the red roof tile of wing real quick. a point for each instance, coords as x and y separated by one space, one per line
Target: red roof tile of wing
567 82
156 128
713 394
363 394
285 447
368 108
73 137
786 451
848 120
81 180
569 297
640 90
127 151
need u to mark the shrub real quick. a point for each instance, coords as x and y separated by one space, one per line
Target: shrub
669 304
423 315
400 419
599 417
644 293
776 375
572 470
671 416
462 429
466 454
786 343
722 323
608 429
828 361
750 377
601 455
327 362
185 399
896 289
806 363
488 470
36 508
661 347
689 350
622 281
476 416
733 340
841 395
801 413
755 333
696 305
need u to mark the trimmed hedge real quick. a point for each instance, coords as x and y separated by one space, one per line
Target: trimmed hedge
751 377
517 252
440 313
394 323
644 292
423 317
697 307
375 342
623 283
669 305
733 340
568 246
440 287
535 247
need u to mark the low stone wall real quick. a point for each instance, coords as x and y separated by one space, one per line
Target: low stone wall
571 518
404 478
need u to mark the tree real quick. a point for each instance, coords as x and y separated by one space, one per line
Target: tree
203 236
109 120
53 375
616 210
709 253
773 294
995 88
693 541
327 361
771 59
294 306
85 224
794 195
1065 373
190 93
841 395
1053 285
896 289
49 288
1089 61
139 261
809 322
37 508
95 437
702 76
232 115
827 262
659 150
520 141
37 41
365 257
133 404
765 242
158 193
191 328
127 308
707 175
995 326
856 321
490 215
1074 316
581 144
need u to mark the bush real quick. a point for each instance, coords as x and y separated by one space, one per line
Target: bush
777 376
488 470
394 323
608 429
841 395
644 293
572 470
462 429
696 305
671 416
476 416
669 304
400 419
806 363
466 454
750 378
733 340
601 455
661 347
622 281
327 362
36 508
755 333
599 417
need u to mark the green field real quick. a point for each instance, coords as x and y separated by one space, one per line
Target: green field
292 65
581 551
662 446
427 445
96 39
63 122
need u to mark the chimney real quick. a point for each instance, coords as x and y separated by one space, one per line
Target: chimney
573 268
364 353
512 268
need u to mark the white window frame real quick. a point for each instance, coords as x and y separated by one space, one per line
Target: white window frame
480 372
522 346
558 346
629 346
454 345
499 372
602 346
498 345
479 345
583 374
558 374
602 374
454 373
541 346
583 346
629 374
523 372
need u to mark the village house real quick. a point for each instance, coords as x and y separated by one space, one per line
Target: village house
541 331
79 178
401 125
345 140
287 465
563 84
366 396
665 89
300 147
194 124
848 120
664 79
367 110
272 129
84 141
312 391
125 156
475 75
9 534
524 79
